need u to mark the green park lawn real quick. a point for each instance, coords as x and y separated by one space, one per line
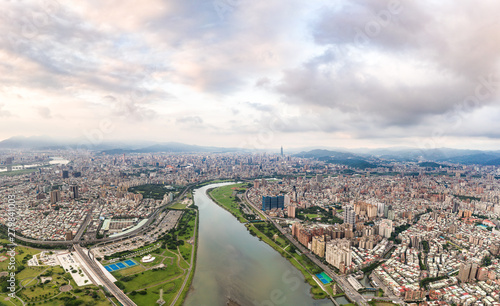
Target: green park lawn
153 294
151 277
313 216
178 206
223 196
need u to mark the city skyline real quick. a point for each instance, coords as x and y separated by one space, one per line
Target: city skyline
252 75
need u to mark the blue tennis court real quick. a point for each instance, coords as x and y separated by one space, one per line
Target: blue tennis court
121 265
324 278
112 267
130 263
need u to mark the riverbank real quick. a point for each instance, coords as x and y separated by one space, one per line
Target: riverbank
224 197
187 286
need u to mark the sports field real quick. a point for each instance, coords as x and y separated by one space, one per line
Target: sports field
324 278
121 265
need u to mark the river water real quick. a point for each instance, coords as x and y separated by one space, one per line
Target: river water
233 265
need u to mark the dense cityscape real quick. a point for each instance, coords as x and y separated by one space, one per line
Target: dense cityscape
419 232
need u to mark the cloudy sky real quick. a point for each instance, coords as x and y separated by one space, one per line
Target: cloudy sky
251 73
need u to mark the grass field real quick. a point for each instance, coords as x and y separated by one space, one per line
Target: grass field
6 300
18 172
313 216
178 206
223 196
89 295
130 271
41 292
21 251
153 294
184 292
151 277
30 272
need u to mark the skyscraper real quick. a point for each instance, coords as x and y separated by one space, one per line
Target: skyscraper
349 216
55 196
269 203
74 191
281 151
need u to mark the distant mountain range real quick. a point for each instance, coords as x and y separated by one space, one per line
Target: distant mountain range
432 158
108 147
356 158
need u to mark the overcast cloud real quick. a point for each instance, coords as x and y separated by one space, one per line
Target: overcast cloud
226 73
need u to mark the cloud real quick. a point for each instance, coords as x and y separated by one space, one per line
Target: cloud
44 112
400 70
260 107
190 120
361 69
4 113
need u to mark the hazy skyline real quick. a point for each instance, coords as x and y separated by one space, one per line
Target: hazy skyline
255 74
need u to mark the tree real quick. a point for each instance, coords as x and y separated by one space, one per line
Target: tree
486 261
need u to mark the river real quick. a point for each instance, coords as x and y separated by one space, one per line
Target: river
233 265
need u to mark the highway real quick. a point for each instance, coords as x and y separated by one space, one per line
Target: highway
110 286
84 225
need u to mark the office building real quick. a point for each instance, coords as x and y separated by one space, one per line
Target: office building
55 196
269 203
74 191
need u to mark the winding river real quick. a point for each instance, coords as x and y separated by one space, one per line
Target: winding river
235 268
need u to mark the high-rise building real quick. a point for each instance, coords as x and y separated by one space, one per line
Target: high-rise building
287 200
473 271
65 174
318 245
55 196
338 254
371 211
269 203
69 235
349 216
319 178
391 215
74 191
256 184
291 211
467 272
281 151
482 274
385 228
380 208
